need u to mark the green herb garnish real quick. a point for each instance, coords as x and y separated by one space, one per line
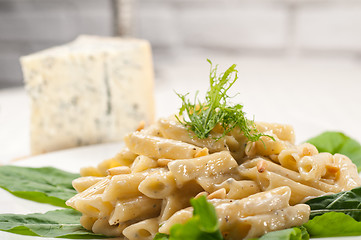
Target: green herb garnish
202 226
202 117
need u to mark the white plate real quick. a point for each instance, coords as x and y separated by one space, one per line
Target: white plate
69 160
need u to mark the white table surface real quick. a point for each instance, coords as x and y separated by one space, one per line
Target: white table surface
312 96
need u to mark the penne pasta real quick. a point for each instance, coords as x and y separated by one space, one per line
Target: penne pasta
255 187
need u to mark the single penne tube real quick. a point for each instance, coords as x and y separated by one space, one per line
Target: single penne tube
104 166
163 162
143 230
90 171
306 149
314 167
238 189
83 183
142 163
125 157
87 222
282 131
218 194
210 183
180 217
158 184
289 158
202 167
258 203
131 209
95 190
348 177
179 199
94 206
102 226
157 147
118 170
123 186
266 146
172 129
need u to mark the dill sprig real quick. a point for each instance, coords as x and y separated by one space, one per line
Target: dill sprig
202 117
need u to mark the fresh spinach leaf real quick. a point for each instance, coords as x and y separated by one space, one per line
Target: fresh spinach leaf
342 211
161 236
44 185
63 223
202 226
333 224
296 233
337 142
207 215
348 202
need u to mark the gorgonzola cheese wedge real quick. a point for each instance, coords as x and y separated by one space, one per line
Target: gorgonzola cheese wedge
92 90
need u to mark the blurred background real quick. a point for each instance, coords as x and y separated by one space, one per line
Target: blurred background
299 61
180 30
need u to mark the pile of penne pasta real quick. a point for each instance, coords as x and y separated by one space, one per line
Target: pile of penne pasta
256 187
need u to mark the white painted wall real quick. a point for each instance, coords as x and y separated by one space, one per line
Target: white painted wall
291 29
27 26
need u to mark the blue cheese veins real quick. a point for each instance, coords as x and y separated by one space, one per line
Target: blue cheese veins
92 90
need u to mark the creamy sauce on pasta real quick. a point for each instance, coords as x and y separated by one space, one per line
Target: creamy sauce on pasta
255 187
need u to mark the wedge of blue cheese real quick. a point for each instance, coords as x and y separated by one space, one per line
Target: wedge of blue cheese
92 90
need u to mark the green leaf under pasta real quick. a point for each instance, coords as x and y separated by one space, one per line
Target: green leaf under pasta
337 142
333 224
296 233
63 223
45 185
348 202
161 236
